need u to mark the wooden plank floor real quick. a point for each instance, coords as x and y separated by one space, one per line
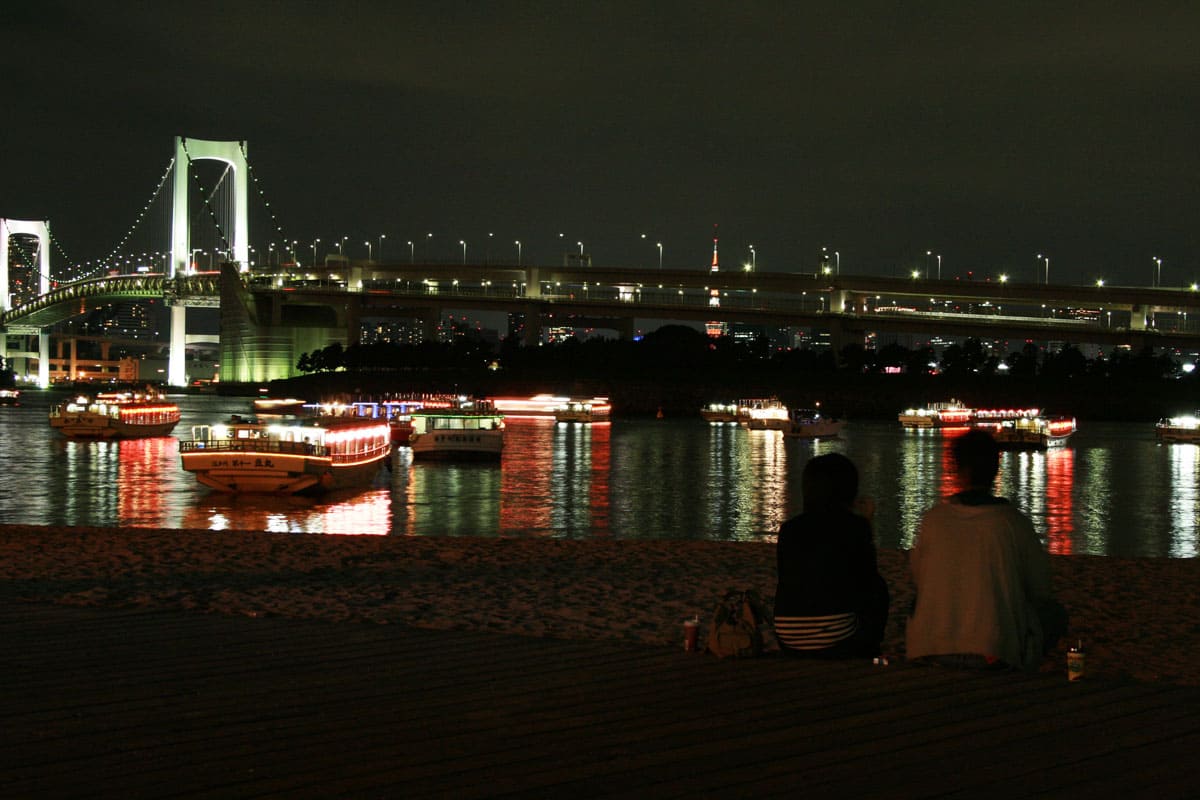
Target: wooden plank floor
138 703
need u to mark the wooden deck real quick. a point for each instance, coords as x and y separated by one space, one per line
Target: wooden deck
138 703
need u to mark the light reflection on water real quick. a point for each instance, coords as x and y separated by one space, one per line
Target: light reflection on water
1114 491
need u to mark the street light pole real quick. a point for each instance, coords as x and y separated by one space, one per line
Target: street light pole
659 256
1158 274
753 259
518 244
368 244
411 252
928 253
464 247
837 262
314 249
382 236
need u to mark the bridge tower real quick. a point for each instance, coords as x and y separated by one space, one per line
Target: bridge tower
40 229
187 150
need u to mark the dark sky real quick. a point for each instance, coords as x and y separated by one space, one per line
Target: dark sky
880 129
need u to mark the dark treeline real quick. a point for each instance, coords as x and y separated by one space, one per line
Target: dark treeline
678 369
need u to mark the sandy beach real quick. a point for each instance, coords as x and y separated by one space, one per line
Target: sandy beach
1137 619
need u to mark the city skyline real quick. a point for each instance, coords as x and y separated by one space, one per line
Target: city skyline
1019 141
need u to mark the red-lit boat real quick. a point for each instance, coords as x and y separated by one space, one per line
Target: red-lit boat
291 456
115 415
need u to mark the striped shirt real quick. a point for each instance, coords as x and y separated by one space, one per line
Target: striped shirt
815 633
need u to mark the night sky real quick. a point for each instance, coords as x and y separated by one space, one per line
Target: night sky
879 130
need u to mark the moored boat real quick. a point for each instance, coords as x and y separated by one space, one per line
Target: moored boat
278 407
9 397
1185 428
292 456
719 413
810 423
463 428
115 415
586 412
945 414
1032 432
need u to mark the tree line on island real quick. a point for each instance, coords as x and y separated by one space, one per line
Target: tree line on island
677 367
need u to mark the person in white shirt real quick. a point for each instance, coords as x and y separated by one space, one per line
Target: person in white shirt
982 576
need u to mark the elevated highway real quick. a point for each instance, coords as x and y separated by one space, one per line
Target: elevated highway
268 320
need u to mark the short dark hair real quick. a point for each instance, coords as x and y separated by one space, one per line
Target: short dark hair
829 481
977 457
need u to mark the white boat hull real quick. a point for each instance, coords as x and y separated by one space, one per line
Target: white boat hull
458 444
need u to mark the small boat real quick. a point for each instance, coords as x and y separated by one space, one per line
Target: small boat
719 413
585 412
287 456
810 423
1185 429
9 397
764 414
1032 432
460 429
946 414
115 415
278 407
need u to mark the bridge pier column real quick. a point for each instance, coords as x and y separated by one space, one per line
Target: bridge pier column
44 360
625 328
177 354
1139 316
533 284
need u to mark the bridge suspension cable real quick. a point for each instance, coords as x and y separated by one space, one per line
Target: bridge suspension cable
275 226
104 263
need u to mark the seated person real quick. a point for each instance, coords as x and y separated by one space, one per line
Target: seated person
981 574
831 601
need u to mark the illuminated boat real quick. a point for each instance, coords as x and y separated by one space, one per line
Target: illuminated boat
810 423
460 429
115 415
278 407
719 413
597 409
1031 432
1179 429
947 414
289 456
9 397
766 414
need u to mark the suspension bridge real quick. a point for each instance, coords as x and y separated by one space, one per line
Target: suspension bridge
270 315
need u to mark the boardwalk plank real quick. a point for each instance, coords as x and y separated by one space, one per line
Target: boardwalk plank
133 702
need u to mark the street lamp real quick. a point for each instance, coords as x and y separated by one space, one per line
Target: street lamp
837 262
464 247
428 237
192 260
753 259
928 253
659 256
1158 274
382 236
369 253
411 250
314 249
939 258
1047 260
342 245
517 242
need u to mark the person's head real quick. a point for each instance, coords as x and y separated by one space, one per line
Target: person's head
977 458
829 481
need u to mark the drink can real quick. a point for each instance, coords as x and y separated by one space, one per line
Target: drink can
1074 664
691 629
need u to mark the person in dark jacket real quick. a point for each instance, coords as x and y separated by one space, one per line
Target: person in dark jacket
830 601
